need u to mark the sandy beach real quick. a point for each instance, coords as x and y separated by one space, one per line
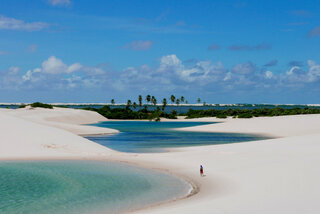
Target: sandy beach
277 175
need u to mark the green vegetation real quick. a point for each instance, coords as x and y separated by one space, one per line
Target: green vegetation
172 98
127 113
22 106
140 100
41 105
249 113
130 111
164 103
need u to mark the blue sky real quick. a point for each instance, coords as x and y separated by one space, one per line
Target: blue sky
220 51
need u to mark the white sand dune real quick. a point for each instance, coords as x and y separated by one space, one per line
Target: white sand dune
29 133
271 176
72 120
282 126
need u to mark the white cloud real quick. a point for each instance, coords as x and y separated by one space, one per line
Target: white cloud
292 70
7 23
139 45
51 66
10 78
170 63
227 77
297 74
54 65
28 75
54 73
170 75
244 68
314 71
59 2
74 67
268 74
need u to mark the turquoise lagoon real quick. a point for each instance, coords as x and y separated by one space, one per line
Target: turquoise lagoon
147 136
82 187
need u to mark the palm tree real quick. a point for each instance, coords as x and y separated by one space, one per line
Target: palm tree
177 101
112 101
129 103
164 103
154 100
140 100
199 100
182 99
148 98
134 105
172 98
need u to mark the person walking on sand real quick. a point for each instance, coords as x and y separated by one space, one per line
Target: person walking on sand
201 170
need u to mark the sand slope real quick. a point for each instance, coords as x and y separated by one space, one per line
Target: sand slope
283 126
28 134
68 119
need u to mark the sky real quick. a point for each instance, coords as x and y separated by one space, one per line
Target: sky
220 51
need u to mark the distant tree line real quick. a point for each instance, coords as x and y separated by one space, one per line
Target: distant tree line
38 105
128 114
249 113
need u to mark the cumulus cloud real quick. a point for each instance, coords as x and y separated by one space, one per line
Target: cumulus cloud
315 32
54 71
244 68
59 2
7 23
299 75
139 45
258 47
54 65
268 74
170 63
214 47
171 74
314 71
10 78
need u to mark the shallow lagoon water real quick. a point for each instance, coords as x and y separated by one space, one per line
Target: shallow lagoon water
146 136
82 187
